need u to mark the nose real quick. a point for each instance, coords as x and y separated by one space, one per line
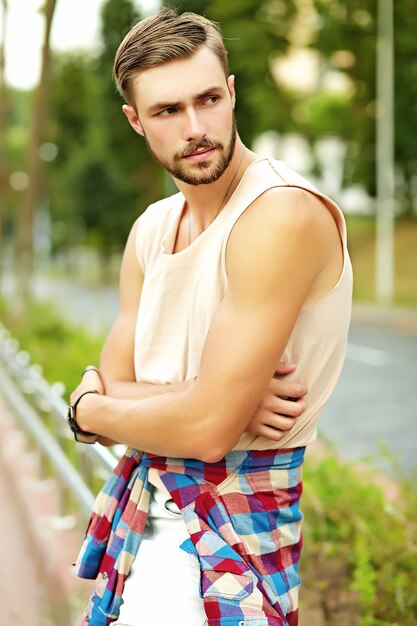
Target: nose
194 129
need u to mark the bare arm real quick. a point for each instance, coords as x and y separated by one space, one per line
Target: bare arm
275 414
268 285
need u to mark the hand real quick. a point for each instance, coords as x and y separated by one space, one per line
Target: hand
282 403
90 381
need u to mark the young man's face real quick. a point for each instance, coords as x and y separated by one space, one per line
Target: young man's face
185 113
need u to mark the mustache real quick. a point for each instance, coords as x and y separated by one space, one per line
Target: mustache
203 144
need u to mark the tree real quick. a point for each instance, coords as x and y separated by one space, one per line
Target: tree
33 193
133 178
103 177
3 113
255 34
350 26
73 104
405 60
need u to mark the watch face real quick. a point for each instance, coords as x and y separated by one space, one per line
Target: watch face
71 419
79 435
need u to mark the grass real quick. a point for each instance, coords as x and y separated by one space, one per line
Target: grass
60 349
361 241
360 549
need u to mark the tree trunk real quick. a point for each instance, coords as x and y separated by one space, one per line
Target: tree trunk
33 194
4 185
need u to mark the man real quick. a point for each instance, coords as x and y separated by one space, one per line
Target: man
246 266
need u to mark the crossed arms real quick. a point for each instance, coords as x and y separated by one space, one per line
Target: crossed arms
294 258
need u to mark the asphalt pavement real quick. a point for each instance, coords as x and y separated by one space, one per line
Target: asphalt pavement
372 414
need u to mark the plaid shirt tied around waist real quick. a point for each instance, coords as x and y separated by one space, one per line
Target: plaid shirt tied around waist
242 514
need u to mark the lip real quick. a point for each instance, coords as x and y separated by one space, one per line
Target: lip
197 157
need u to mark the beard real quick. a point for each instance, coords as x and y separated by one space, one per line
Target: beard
202 173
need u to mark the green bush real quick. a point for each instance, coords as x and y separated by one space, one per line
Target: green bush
60 349
360 553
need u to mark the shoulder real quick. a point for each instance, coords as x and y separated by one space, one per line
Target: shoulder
284 215
287 204
286 232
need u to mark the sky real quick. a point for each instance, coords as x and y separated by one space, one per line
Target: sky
75 27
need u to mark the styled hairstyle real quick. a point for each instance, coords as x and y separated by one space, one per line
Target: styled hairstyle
161 38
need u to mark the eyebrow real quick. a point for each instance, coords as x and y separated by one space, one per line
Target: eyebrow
160 106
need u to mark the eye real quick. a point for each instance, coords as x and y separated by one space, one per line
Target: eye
211 99
167 112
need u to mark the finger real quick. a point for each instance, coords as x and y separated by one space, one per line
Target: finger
267 431
284 368
75 394
287 389
279 422
288 408
88 373
92 380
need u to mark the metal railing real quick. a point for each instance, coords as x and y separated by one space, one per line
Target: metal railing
79 468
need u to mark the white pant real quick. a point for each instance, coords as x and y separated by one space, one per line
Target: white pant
163 586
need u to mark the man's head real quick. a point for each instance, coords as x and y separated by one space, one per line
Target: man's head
172 71
161 38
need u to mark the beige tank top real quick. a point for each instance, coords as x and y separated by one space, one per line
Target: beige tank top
182 291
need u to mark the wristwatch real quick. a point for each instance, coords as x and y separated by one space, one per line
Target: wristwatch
82 436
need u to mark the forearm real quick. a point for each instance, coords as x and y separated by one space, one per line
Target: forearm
137 391
166 425
141 390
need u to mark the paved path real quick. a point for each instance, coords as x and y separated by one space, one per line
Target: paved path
20 591
36 585
21 588
374 406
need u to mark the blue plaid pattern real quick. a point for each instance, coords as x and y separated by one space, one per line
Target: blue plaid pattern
244 522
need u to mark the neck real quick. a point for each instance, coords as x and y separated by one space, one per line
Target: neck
204 200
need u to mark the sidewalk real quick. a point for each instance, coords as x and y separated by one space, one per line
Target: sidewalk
36 547
20 590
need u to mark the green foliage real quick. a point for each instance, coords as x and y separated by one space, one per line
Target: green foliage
351 25
103 177
17 123
62 350
405 15
364 577
254 33
324 113
360 548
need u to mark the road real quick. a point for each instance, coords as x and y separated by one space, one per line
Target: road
375 401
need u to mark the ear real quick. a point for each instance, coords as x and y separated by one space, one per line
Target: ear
132 116
231 88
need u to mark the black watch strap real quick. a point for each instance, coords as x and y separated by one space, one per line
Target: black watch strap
72 419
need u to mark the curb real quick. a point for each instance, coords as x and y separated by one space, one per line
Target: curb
395 319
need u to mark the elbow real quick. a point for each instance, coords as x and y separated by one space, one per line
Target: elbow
214 435
214 447
212 455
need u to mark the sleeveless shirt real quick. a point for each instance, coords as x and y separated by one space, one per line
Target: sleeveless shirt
182 291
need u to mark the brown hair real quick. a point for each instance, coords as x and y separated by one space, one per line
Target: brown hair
161 38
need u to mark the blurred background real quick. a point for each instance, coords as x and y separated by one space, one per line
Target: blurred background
330 87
